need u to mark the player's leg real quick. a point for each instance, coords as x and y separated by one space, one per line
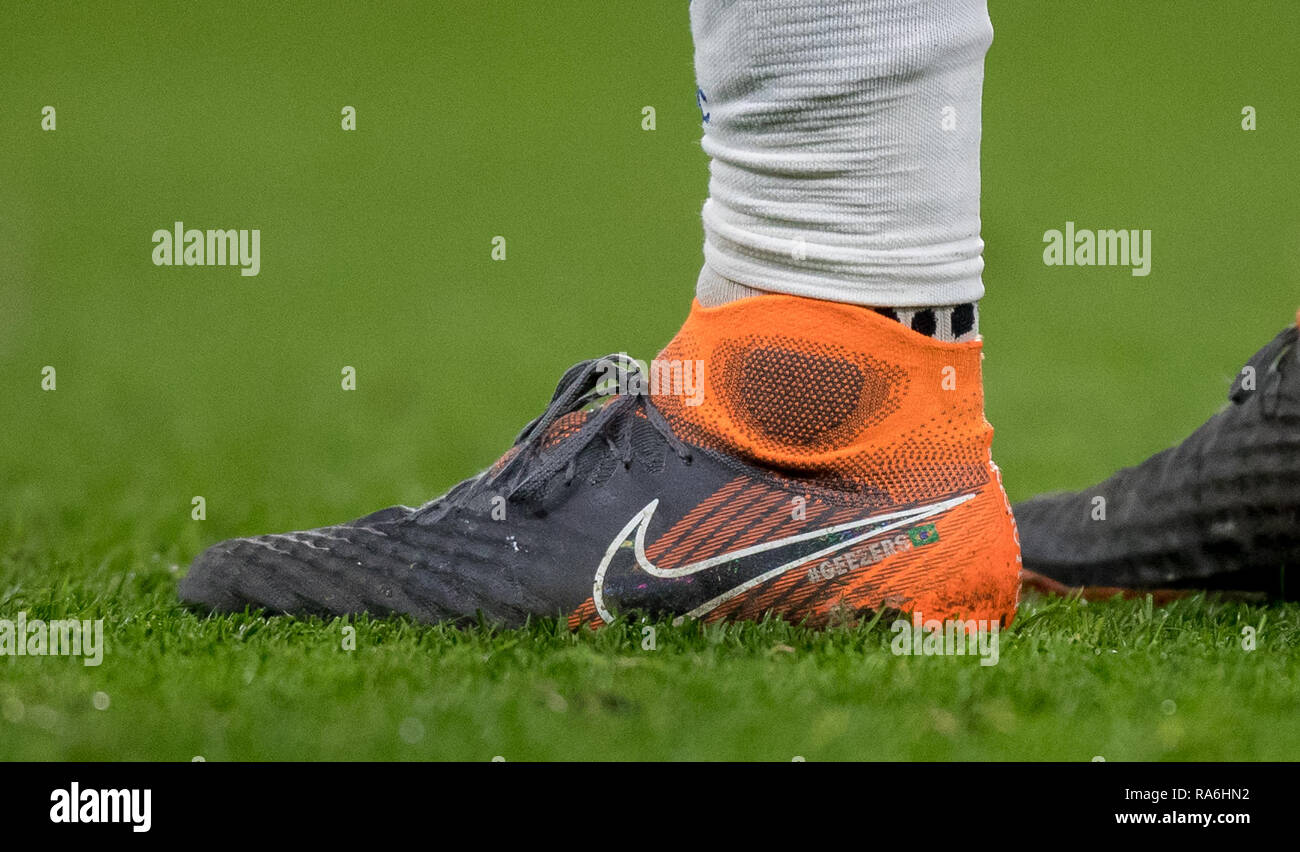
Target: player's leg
814 438
844 188
844 145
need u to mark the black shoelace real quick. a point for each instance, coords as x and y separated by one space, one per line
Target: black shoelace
528 473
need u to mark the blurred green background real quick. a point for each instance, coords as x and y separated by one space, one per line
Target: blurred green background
477 119
484 119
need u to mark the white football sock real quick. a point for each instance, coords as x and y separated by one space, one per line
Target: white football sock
844 140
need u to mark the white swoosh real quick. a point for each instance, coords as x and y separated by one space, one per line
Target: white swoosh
641 520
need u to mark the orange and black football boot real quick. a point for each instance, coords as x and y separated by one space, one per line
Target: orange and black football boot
1218 512
782 455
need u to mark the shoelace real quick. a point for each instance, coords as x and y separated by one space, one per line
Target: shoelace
531 468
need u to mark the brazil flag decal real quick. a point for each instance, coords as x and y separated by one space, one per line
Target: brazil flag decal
924 534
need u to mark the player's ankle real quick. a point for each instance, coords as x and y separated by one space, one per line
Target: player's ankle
831 391
953 323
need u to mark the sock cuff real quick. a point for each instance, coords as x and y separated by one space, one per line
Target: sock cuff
952 323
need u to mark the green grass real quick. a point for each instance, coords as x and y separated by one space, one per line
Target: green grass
479 119
1074 681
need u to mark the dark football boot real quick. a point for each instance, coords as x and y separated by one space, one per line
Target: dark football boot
1220 511
834 467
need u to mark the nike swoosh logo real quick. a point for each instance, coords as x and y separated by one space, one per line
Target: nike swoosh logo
628 577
